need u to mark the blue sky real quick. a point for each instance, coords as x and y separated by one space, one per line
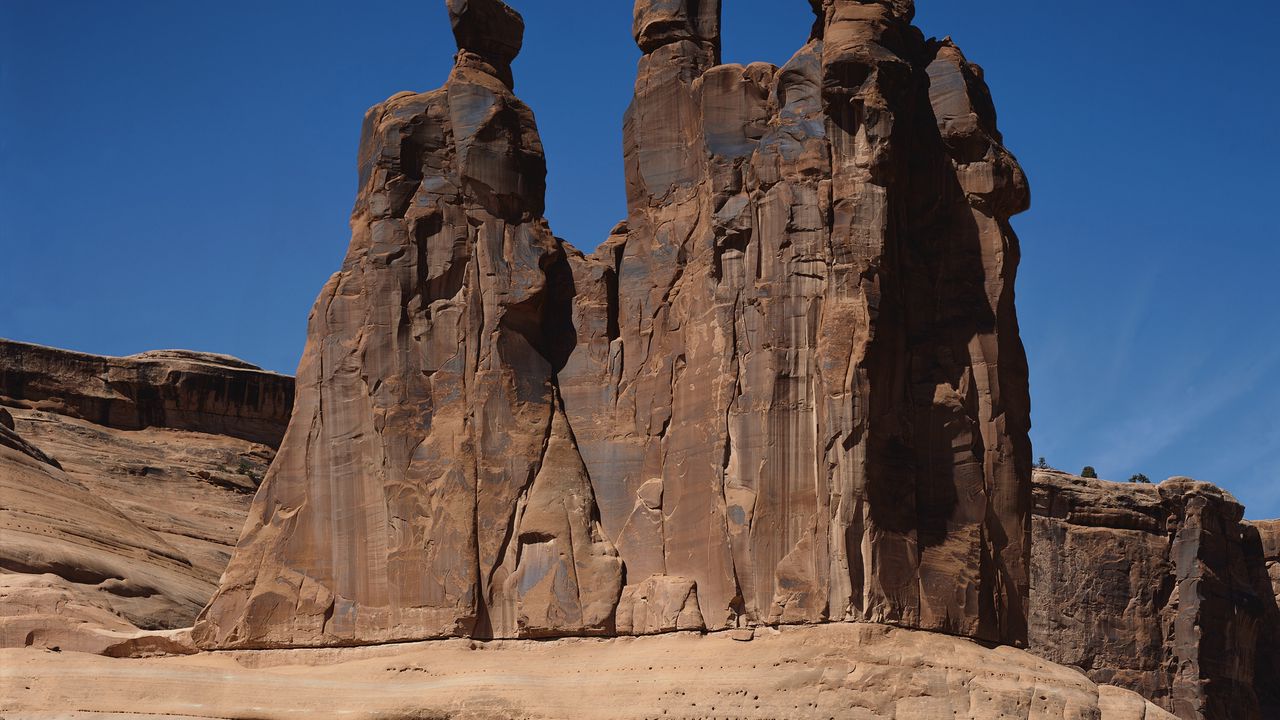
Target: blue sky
181 175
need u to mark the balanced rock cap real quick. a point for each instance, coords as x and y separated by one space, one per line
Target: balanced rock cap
487 27
662 22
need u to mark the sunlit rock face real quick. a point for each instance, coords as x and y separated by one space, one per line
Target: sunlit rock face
429 484
798 379
787 389
124 482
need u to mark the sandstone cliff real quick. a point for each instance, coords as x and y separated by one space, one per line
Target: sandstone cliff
174 389
112 520
1161 589
789 389
798 383
1263 539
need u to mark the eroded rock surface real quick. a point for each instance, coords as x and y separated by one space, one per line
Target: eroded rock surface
798 380
174 389
1161 589
857 671
109 529
1267 664
429 484
790 383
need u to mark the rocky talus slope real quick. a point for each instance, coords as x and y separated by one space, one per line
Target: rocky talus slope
125 483
788 389
1162 589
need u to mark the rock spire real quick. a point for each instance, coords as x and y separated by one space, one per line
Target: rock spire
787 389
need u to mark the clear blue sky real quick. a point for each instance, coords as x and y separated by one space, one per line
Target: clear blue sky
180 174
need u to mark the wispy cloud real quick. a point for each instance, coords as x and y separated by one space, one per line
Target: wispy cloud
1183 407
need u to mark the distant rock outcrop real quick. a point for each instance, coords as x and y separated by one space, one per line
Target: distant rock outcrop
789 389
1161 589
113 521
174 389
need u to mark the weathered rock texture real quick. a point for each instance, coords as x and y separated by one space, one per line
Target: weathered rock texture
1264 537
429 484
789 389
107 528
798 379
1161 589
854 671
173 389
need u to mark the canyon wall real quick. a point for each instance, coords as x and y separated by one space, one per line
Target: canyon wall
122 497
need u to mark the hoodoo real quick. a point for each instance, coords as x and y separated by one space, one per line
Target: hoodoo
788 389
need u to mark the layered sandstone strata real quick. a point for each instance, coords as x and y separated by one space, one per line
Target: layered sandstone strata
109 529
1161 589
174 389
788 389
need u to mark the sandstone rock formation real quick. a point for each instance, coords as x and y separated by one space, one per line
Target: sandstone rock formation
1262 539
798 380
788 389
1159 589
857 671
109 529
429 484
175 389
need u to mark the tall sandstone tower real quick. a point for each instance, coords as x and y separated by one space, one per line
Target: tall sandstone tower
789 388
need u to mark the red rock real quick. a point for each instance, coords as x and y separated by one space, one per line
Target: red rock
659 604
429 485
761 394
776 391
175 389
1262 539
108 529
1157 588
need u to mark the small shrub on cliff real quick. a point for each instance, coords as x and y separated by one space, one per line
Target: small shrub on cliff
1140 478
1089 472
1042 464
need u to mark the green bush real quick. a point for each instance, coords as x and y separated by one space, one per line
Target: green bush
1140 478
1089 472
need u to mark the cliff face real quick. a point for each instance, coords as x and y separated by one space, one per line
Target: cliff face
1161 589
788 389
1262 540
174 389
798 382
429 484
112 519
